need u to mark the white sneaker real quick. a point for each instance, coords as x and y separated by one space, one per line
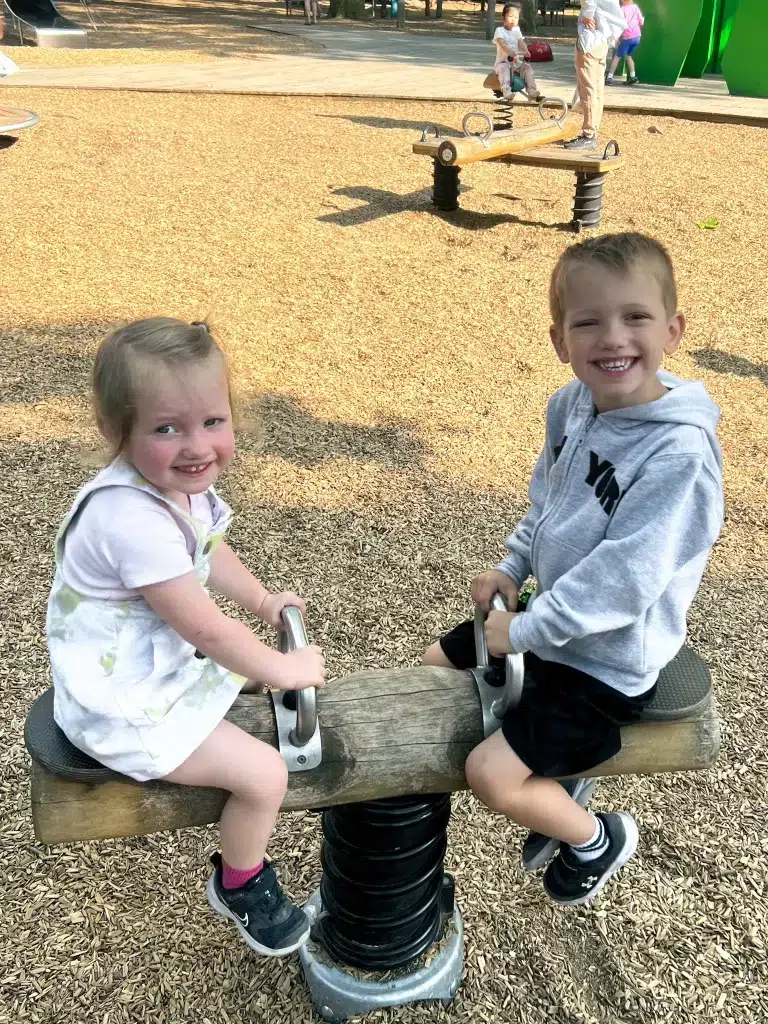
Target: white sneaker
507 94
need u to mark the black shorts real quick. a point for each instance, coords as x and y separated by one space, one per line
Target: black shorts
567 721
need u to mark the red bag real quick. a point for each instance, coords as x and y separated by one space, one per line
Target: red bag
540 52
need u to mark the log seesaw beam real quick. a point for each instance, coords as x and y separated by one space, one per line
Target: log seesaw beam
385 732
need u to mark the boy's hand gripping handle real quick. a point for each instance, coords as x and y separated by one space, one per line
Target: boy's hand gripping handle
495 706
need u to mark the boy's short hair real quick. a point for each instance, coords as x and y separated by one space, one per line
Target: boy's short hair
619 253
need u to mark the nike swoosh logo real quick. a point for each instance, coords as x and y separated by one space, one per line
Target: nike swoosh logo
243 920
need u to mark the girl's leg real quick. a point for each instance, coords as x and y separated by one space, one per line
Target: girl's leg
614 65
526 73
498 777
256 777
630 66
504 75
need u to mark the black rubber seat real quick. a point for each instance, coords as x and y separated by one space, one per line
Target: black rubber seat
684 688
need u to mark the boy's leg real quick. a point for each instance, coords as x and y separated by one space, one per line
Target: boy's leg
594 847
242 887
590 82
498 777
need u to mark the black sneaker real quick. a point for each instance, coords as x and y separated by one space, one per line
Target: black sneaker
571 881
264 915
632 79
582 142
538 850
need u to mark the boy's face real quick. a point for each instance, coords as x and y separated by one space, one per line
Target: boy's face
511 18
615 333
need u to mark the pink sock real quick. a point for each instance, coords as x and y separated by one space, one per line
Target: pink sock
236 878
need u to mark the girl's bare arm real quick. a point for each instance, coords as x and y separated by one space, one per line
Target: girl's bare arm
196 617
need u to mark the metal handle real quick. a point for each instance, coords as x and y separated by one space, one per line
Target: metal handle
553 117
487 131
514 667
292 638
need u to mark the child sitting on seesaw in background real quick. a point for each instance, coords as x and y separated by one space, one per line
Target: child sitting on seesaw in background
626 502
509 45
145 665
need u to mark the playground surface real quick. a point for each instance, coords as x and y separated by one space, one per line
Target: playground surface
332 59
392 368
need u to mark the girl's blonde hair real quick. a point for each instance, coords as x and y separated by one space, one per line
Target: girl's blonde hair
120 356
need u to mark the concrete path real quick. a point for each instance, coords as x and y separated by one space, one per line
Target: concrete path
392 65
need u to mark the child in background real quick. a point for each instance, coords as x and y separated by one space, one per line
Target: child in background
145 665
629 42
509 45
626 502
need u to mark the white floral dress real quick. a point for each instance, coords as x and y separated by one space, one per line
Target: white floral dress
129 691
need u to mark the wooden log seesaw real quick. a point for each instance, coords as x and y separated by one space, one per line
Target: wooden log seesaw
532 146
379 751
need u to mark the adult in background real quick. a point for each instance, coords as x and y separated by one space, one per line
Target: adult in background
600 24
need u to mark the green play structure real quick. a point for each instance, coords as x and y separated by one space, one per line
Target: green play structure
696 37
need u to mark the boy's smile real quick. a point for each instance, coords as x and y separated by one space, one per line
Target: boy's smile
615 333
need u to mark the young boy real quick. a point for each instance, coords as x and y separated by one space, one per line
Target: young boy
626 502
509 45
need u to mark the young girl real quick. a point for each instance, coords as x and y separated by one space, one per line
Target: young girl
509 45
630 40
145 664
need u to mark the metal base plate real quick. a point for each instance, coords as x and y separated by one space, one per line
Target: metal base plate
337 994
298 759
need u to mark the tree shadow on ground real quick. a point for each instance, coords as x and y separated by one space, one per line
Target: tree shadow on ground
724 362
391 122
289 431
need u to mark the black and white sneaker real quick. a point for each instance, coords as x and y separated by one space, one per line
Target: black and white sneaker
265 917
538 850
572 881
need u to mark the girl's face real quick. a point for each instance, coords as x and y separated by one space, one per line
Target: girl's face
182 438
511 18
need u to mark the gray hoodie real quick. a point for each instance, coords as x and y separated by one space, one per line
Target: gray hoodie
625 507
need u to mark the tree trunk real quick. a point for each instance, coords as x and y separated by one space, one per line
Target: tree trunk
527 16
354 9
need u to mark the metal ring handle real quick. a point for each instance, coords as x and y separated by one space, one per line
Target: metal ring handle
553 117
514 666
425 132
483 135
293 637
612 144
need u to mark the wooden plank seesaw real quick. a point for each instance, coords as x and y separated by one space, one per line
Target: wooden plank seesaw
386 732
531 146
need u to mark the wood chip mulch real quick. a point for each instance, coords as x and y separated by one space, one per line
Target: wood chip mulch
398 363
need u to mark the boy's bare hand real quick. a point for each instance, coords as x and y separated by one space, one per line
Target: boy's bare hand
493 582
302 668
497 633
273 604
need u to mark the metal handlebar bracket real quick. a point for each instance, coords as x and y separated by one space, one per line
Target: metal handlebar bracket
429 129
613 144
298 728
486 133
495 704
553 117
